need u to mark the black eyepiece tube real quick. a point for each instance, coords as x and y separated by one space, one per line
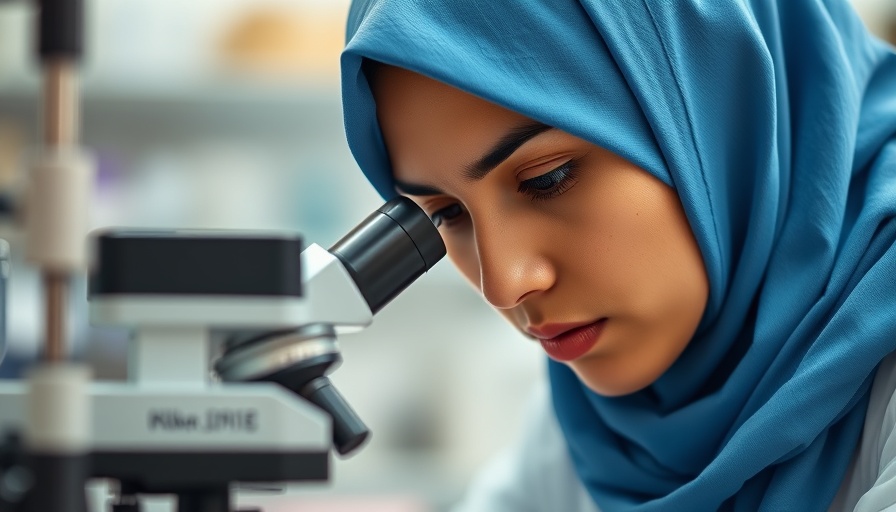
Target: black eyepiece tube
389 250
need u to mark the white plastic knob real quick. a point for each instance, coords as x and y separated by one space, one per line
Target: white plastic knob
58 409
57 216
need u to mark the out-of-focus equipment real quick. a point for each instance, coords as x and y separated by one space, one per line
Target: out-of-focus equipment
267 312
233 336
54 411
265 410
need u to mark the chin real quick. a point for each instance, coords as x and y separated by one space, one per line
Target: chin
609 384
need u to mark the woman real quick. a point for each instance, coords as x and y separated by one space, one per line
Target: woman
689 204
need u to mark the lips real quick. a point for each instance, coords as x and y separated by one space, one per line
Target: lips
566 342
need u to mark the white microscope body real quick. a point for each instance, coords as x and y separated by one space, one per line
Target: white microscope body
270 309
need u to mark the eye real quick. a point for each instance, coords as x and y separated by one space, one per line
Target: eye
552 183
448 215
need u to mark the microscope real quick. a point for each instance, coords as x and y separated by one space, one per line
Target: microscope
266 310
233 336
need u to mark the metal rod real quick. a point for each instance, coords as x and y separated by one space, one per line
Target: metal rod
55 293
60 113
60 126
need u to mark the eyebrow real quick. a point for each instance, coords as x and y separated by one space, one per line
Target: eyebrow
479 169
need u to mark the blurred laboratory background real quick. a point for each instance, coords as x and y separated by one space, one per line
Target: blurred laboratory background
227 114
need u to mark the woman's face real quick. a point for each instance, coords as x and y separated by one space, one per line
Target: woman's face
577 247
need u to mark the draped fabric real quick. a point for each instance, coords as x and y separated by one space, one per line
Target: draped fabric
775 123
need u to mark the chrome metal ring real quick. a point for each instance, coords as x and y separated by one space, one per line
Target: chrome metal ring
265 356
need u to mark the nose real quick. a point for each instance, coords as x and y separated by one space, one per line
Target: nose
512 265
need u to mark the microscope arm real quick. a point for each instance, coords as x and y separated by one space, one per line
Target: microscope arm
337 299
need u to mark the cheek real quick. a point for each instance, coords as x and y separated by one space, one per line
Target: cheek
635 249
463 255
659 272
665 261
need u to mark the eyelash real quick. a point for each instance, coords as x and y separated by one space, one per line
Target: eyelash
559 180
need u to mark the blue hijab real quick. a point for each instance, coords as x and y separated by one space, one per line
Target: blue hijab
775 122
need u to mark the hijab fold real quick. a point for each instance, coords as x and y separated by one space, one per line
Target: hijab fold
775 123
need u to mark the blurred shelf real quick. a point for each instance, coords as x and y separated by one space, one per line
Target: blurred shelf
217 92
156 113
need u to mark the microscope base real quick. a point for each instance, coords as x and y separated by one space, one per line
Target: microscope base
173 472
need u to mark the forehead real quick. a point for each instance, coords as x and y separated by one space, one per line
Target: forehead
433 130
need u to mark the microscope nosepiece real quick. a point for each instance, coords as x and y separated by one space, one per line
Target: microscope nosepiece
389 250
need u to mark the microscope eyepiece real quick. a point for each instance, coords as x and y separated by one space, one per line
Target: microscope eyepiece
418 226
389 250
